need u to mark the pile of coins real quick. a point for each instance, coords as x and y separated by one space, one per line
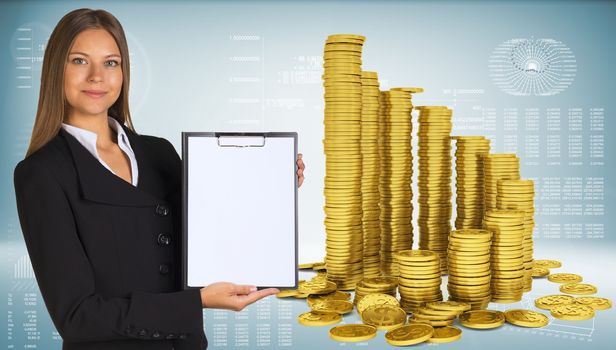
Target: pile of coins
469 267
440 313
507 254
470 186
395 176
371 285
498 166
420 278
520 195
434 181
369 145
343 168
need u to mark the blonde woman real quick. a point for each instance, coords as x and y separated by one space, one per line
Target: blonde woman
99 204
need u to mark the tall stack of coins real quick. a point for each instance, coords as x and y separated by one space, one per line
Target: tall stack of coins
343 168
420 278
498 166
507 254
435 180
468 262
520 195
395 176
370 174
470 186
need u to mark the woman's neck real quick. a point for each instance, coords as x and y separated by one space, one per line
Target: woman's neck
105 136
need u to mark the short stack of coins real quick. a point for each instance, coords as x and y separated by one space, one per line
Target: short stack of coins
507 254
343 168
498 166
470 185
395 176
439 313
376 285
370 174
434 181
419 281
469 267
520 195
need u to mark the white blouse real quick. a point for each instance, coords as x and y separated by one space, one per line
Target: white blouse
88 139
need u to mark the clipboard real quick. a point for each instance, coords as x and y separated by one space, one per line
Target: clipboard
239 209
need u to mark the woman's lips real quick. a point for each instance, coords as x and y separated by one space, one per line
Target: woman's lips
94 93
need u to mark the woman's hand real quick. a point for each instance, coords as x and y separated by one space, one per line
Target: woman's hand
300 171
229 296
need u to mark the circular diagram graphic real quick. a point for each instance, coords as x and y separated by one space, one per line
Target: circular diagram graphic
539 67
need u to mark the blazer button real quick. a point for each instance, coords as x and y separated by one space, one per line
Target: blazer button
170 336
162 210
163 268
142 333
182 336
164 239
156 335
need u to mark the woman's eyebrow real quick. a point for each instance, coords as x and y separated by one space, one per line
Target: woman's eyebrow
85 54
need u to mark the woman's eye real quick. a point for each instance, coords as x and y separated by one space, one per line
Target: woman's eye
79 60
112 63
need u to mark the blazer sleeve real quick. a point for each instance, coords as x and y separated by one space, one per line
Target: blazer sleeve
66 281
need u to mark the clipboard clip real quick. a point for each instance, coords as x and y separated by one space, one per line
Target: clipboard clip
244 141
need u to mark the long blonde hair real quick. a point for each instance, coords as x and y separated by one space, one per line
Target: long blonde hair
52 105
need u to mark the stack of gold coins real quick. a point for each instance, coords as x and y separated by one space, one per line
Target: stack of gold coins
507 254
395 176
498 166
520 195
435 180
470 185
439 313
343 168
420 278
469 267
376 285
370 174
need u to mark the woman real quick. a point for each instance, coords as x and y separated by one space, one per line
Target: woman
99 205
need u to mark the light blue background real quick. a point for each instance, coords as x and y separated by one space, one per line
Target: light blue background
182 57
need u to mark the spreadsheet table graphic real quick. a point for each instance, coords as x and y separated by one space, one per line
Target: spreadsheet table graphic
535 78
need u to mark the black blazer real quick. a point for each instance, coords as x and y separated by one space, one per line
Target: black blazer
106 254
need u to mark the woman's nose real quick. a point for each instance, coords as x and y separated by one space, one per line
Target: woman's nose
96 74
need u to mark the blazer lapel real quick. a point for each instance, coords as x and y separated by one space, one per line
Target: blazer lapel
100 185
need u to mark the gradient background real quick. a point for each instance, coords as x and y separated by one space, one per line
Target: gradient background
256 66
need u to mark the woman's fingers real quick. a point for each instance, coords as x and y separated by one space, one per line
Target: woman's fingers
300 171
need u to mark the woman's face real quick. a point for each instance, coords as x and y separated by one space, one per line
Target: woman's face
93 74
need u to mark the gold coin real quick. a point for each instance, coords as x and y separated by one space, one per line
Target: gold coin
578 288
376 299
416 255
551 301
313 318
550 264
381 282
564 278
338 306
384 316
482 319
352 332
317 287
540 271
526 318
595 302
409 334
337 295
573 312
445 334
